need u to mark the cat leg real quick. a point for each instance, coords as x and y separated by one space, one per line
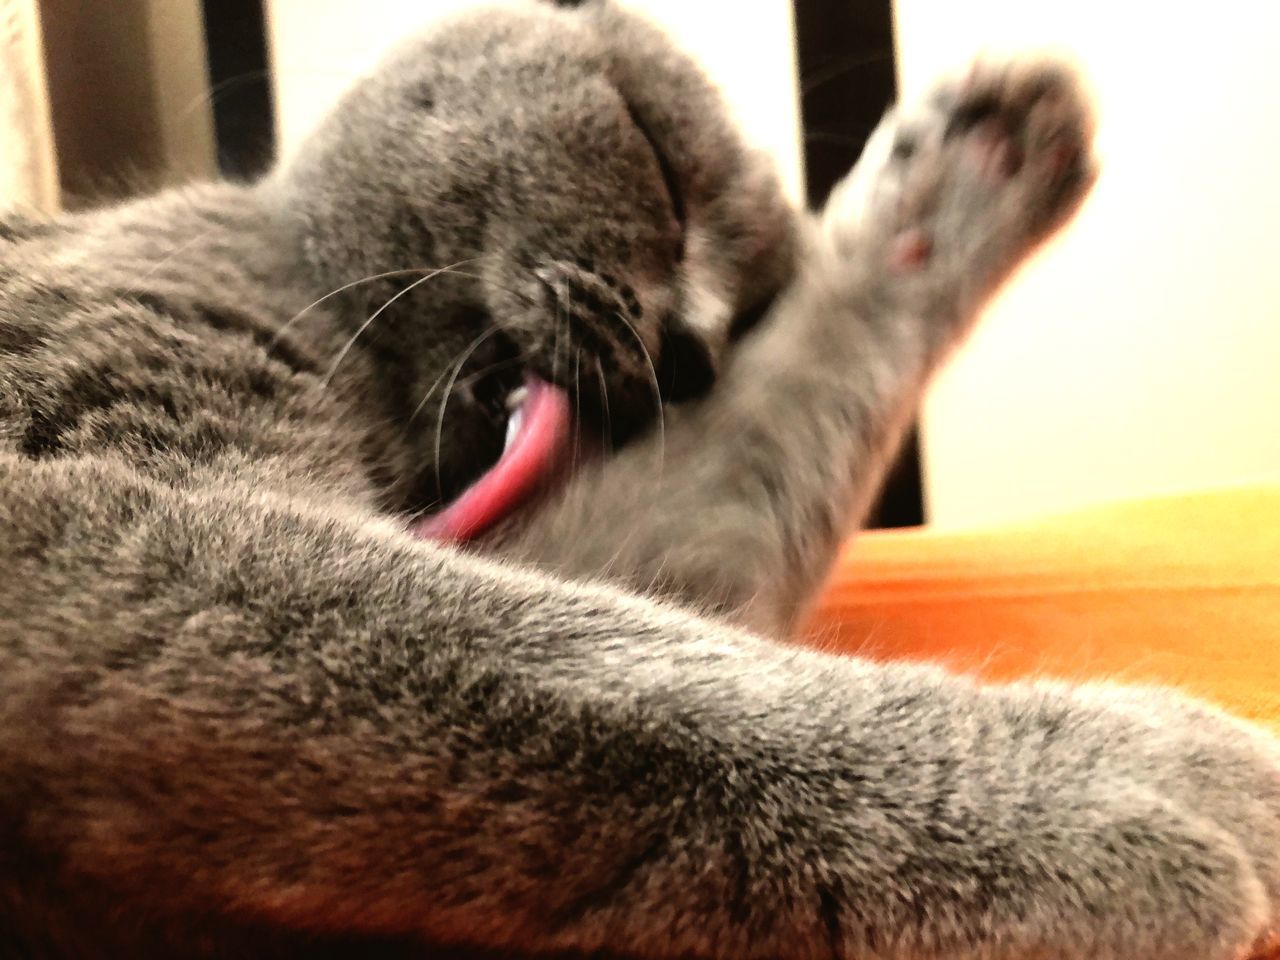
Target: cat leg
234 725
738 504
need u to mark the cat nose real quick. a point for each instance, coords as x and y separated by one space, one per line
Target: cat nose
685 368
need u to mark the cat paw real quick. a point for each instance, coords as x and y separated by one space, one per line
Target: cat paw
1210 818
955 190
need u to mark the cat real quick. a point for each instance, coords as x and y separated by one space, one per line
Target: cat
357 595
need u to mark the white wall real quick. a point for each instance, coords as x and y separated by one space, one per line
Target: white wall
317 47
1141 353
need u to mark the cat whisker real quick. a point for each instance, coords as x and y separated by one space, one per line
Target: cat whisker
832 71
346 347
178 250
211 95
404 271
284 327
562 334
463 356
653 382
444 402
576 455
481 372
838 137
607 417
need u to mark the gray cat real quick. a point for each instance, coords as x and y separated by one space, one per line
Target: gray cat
356 597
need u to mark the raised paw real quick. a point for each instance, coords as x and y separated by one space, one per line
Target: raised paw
954 190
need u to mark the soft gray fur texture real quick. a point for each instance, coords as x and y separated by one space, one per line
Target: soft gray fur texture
244 713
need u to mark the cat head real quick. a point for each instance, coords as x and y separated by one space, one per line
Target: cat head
541 190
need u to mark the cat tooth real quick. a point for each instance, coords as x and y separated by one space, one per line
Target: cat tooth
516 399
513 427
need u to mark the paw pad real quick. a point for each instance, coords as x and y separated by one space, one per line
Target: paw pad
910 251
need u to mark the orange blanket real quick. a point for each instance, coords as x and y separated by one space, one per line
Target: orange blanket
1182 590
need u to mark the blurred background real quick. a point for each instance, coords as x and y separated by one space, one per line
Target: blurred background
1138 354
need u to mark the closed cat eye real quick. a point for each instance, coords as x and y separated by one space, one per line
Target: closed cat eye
664 166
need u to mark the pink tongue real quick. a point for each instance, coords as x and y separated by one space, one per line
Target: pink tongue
542 434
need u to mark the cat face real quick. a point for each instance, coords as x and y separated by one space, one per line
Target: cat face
560 198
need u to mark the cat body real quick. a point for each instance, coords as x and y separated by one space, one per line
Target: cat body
276 680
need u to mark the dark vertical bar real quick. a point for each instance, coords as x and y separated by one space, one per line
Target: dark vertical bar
847 81
240 84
